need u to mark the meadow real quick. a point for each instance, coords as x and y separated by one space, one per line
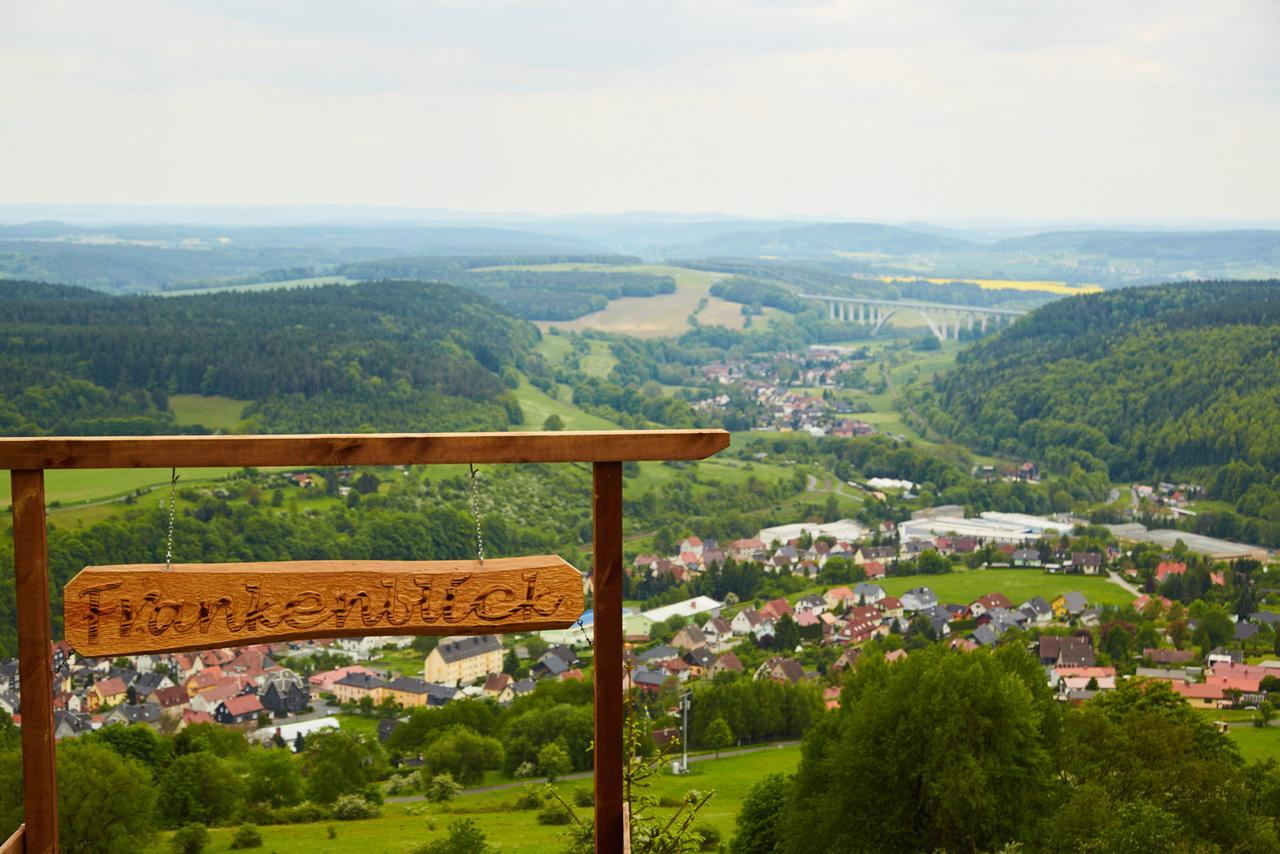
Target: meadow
1256 743
1017 584
510 830
208 410
1042 285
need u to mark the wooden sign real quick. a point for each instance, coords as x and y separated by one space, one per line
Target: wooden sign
125 610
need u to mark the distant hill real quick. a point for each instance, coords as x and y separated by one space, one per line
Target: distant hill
824 239
383 355
1188 247
139 258
1153 382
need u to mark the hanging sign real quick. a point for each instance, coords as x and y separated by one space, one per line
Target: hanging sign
132 609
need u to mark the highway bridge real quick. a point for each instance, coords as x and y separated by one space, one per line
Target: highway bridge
944 319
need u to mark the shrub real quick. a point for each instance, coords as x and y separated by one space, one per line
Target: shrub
524 769
710 835
353 807
190 839
441 788
584 798
464 838
554 813
246 836
332 831
530 799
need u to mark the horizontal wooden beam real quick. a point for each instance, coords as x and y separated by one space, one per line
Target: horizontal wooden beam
132 609
15 843
113 452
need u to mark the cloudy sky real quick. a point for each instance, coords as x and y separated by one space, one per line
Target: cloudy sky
879 109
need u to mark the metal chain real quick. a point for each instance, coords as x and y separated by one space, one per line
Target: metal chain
475 511
173 485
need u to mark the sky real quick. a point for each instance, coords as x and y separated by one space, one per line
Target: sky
871 109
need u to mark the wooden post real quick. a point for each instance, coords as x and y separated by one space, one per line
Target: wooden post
606 576
35 663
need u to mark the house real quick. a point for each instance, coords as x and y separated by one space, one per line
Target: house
138 713
70 724
1026 557
745 621
838 596
919 599
775 608
939 620
1079 678
354 687
238 710
172 700
726 662
647 681
877 554
107 692
407 691
323 681
780 669
812 603
1071 651
208 701
284 693
1167 656
464 659
1071 604
147 684
874 569
497 686
700 660
689 637
868 594
848 658
191 716
658 654
1244 632
1090 563
554 662
1168 568
890 606
717 631
1037 610
986 603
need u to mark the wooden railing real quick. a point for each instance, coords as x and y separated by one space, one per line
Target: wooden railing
27 458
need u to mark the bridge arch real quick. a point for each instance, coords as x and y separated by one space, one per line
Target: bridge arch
933 327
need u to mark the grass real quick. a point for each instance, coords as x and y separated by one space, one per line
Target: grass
69 486
537 406
356 725
404 826
212 411
1018 584
1256 743
658 316
406 662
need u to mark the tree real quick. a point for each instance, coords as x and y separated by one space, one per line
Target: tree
465 837
189 839
553 762
105 801
336 763
511 662
441 788
786 635
553 422
759 829
718 736
464 754
887 766
273 778
198 787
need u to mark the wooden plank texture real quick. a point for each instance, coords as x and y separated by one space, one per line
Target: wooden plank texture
35 663
15 844
358 449
606 576
127 610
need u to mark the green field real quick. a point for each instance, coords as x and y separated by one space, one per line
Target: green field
68 486
1018 584
511 831
1257 743
212 411
537 405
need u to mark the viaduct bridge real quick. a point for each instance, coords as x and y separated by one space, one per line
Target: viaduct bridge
944 319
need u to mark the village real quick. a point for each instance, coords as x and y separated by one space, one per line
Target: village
880 601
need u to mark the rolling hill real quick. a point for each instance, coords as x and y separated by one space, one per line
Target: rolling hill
389 355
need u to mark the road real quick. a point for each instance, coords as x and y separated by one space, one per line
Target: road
585 775
1115 578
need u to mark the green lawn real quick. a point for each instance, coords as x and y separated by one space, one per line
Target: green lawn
1257 743
406 662
510 831
212 411
78 485
1018 584
537 405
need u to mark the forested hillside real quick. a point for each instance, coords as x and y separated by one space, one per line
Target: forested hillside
385 355
1158 382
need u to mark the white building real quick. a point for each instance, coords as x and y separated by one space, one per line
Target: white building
844 529
1013 528
290 732
695 607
